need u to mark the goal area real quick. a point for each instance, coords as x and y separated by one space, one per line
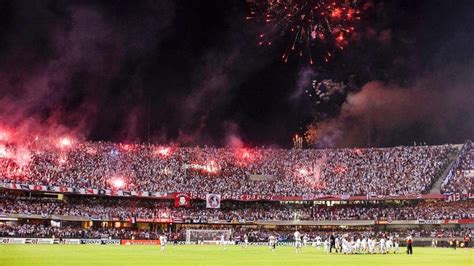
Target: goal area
202 236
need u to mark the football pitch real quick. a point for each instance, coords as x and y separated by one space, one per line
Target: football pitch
216 255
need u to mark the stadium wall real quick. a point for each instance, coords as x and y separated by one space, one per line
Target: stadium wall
420 242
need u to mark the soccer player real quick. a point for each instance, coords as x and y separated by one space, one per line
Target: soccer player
297 241
246 241
434 243
318 242
396 243
345 248
351 246
388 245
162 242
223 242
339 244
382 245
272 242
371 245
409 240
358 246
305 240
363 245
326 246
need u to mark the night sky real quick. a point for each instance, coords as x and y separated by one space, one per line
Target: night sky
191 73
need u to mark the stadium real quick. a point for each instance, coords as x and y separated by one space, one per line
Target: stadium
266 132
240 197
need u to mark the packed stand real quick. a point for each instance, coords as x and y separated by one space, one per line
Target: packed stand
108 209
461 177
229 172
41 230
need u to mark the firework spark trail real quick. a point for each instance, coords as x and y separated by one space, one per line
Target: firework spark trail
314 29
324 89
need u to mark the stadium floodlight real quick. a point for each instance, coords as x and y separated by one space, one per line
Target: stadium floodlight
209 236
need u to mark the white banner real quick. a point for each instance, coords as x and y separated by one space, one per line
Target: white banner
213 201
39 241
12 240
101 241
422 221
15 240
71 241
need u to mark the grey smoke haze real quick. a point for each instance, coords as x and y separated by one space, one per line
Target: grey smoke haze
215 80
305 77
439 105
58 73
95 73
100 70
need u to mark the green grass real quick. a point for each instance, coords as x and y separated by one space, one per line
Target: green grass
215 255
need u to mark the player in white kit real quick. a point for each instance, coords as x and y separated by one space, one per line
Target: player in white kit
388 245
351 245
246 241
337 244
371 244
382 245
363 245
272 242
163 242
345 246
297 241
396 243
357 246
318 242
223 242
305 240
326 246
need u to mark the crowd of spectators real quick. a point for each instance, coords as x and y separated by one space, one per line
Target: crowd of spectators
461 177
254 235
227 171
43 231
109 209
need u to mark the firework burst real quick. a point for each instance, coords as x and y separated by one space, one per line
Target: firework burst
310 29
324 90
